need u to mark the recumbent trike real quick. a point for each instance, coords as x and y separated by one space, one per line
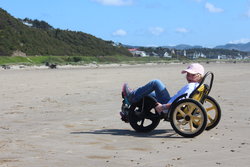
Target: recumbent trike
188 116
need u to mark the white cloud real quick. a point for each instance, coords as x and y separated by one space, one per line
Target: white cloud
156 30
120 32
182 30
115 2
211 8
242 40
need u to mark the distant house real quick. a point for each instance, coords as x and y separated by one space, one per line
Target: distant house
185 53
173 52
154 54
222 57
167 55
196 55
133 50
137 53
239 57
27 24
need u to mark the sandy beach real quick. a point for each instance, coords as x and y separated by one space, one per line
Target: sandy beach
69 117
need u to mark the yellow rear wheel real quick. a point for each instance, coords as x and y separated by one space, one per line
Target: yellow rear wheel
213 112
188 118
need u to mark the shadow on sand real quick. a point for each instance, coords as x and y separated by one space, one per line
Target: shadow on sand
169 133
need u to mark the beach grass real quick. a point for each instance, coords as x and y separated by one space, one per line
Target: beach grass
78 60
83 60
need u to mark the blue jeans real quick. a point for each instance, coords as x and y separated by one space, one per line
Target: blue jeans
154 88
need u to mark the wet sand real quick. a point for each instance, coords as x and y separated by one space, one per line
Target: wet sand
70 117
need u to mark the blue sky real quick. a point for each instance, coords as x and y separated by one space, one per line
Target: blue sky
144 22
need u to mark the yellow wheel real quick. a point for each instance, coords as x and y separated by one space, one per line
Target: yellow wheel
188 118
213 112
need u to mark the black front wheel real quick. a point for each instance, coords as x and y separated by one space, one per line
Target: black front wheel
142 115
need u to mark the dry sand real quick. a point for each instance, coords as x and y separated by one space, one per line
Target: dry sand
70 118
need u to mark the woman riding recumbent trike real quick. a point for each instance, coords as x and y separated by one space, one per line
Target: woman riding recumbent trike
188 116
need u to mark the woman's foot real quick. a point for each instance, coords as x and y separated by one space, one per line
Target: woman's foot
126 93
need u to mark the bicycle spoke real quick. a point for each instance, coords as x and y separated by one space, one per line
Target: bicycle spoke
181 112
196 118
142 122
210 118
191 126
191 109
210 108
183 122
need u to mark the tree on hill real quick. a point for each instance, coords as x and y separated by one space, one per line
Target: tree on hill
37 24
43 39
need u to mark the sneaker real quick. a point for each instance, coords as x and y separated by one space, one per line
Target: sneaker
126 92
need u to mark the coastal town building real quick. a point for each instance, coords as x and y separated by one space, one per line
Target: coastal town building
167 55
185 53
137 53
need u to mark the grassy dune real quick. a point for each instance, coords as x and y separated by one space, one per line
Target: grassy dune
82 60
77 60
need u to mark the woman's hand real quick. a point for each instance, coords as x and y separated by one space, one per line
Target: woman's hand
159 108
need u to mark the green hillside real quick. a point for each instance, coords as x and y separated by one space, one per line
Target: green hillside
42 39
